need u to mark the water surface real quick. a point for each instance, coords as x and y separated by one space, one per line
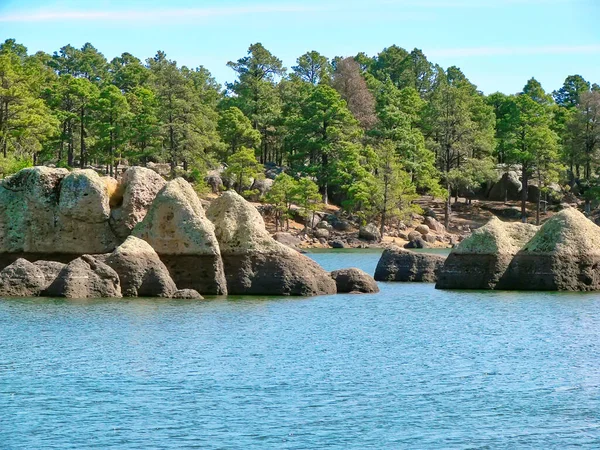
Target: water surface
410 367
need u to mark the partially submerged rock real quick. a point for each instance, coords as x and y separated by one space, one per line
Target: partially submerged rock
254 262
176 227
481 260
86 277
354 281
140 270
397 264
564 255
187 294
21 279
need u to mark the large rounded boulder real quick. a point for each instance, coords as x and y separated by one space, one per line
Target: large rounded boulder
481 260
564 255
354 281
507 188
254 262
140 270
46 211
178 230
133 197
85 277
397 264
21 279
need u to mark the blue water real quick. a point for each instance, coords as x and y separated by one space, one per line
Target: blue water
410 367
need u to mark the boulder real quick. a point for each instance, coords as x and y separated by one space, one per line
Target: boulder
137 190
141 272
321 233
214 181
51 211
354 281
397 264
187 294
422 229
254 262
341 225
178 230
50 269
84 197
21 279
564 255
262 186
287 239
338 243
416 243
481 260
369 232
508 187
85 277
414 235
434 225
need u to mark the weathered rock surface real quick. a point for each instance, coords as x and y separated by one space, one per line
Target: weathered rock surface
178 230
85 277
416 243
423 229
434 225
133 197
287 239
397 264
141 272
50 269
481 260
51 211
21 279
187 294
369 232
564 255
254 262
508 187
354 281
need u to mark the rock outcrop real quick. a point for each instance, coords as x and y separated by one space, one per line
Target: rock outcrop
564 255
178 230
133 197
21 279
369 232
508 187
481 260
46 211
354 281
85 277
397 264
141 272
254 262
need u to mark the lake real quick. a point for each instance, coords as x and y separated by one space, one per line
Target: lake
410 367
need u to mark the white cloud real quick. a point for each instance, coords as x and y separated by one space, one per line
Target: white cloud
149 15
515 51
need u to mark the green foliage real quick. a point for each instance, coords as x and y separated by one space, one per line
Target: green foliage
242 166
236 130
11 164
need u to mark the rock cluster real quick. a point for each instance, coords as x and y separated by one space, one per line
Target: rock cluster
77 234
562 255
354 281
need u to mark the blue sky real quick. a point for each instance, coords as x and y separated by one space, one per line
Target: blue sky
499 44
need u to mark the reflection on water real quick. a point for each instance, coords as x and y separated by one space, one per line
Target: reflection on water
410 367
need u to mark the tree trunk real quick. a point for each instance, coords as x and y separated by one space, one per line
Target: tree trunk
447 210
82 132
524 175
538 206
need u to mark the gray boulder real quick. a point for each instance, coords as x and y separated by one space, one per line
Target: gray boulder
187 294
178 230
254 262
369 232
397 264
354 281
85 277
564 255
481 260
508 187
416 243
140 270
21 279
